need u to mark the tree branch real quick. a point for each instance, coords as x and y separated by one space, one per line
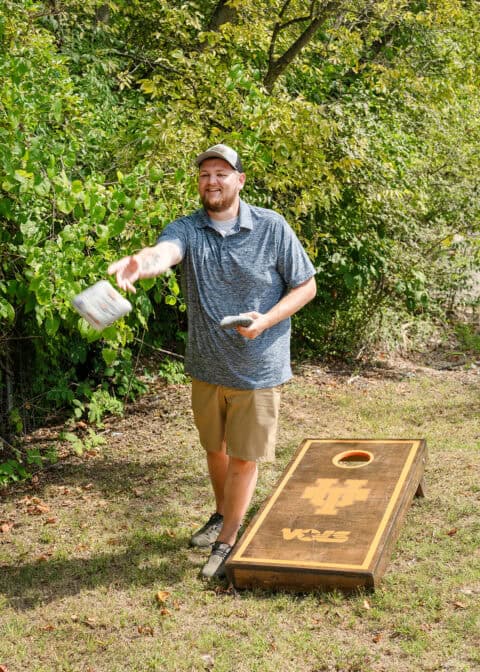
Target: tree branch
276 67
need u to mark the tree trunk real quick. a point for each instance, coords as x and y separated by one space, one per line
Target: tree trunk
222 13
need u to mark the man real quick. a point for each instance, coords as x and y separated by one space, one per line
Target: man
235 259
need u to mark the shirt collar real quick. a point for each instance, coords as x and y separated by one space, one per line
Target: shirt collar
245 217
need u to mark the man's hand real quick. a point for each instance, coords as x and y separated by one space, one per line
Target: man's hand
257 327
287 306
127 272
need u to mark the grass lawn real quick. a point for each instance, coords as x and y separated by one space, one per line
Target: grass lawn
96 574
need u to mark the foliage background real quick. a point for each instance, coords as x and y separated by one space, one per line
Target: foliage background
358 120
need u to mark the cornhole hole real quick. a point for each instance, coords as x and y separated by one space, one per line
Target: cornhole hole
333 517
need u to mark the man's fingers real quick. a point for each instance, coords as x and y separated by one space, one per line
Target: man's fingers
130 287
125 283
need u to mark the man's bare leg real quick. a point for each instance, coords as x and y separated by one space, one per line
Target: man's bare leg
233 481
239 487
217 468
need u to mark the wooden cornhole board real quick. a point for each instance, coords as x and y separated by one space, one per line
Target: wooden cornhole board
333 518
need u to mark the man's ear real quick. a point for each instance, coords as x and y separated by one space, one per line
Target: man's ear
242 179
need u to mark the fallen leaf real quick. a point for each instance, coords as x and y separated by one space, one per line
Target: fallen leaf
165 612
38 509
48 628
208 660
82 547
366 604
459 605
90 453
162 596
145 630
376 638
467 590
453 531
89 486
50 521
6 527
3 668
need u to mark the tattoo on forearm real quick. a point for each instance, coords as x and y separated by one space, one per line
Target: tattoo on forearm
154 264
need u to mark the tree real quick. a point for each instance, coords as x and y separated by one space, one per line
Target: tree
357 119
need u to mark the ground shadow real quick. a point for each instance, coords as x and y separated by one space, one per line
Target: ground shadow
110 477
147 560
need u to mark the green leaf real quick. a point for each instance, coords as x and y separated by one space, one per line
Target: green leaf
97 213
23 176
52 324
7 311
109 356
115 226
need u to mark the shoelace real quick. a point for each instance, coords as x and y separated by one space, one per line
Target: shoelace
221 549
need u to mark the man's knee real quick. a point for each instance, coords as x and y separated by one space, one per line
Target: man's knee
240 466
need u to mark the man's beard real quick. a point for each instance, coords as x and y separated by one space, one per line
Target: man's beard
218 205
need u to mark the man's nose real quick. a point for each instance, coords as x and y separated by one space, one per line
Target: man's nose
212 179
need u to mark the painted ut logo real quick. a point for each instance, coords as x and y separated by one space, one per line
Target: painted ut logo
329 494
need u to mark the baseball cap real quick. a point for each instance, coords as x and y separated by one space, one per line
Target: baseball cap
221 152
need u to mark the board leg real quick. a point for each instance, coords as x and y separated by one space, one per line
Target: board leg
420 492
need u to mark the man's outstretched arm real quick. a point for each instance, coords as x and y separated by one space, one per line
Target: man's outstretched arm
148 263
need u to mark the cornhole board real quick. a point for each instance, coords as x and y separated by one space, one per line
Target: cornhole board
333 517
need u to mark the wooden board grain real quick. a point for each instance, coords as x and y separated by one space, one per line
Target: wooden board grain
334 516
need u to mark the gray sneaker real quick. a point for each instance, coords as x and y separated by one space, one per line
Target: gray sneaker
215 567
207 535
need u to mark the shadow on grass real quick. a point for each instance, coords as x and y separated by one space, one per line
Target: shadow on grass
148 559
108 476
137 492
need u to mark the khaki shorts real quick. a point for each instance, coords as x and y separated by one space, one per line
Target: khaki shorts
245 419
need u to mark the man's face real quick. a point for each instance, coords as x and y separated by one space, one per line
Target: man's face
219 185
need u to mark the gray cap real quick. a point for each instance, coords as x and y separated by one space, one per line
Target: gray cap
221 152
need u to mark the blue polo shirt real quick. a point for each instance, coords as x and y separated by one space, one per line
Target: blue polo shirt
252 269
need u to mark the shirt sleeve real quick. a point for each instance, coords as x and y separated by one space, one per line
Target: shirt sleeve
176 232
293 262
